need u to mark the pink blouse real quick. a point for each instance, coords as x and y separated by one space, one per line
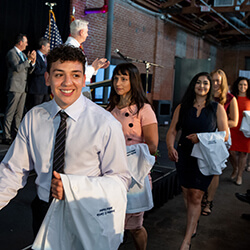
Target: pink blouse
132 124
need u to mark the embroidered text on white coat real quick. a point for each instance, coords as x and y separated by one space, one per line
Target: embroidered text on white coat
105 211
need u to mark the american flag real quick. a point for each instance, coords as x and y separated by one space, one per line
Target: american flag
52 32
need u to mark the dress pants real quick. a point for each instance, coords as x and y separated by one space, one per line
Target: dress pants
14 112
39 210
34 99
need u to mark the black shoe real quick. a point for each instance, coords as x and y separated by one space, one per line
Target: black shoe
245 216
194 234
7 141
243 197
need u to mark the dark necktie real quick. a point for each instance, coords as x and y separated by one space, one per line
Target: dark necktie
45 60
59 149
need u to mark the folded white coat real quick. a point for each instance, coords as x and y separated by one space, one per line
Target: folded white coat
245 124
91 216
140 162
211 152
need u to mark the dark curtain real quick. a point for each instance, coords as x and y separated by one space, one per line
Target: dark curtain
31 18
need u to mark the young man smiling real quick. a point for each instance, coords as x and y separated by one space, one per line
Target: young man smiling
94 148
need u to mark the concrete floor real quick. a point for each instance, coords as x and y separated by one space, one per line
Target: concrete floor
222 230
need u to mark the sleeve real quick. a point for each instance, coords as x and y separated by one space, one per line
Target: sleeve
31 68
16 65
14 168
113 158
39 69
147 115
89 71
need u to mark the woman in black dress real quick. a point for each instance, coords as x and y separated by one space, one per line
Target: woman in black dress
196 114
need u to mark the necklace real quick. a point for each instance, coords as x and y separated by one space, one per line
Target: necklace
199 104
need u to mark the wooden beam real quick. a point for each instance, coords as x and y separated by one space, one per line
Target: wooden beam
225 38
212 37
169 3
244 4
186 24
157 5
209 25
147 5
197 10
235 32
245 17
192 3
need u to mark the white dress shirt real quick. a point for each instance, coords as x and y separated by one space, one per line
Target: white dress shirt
89 70
95 146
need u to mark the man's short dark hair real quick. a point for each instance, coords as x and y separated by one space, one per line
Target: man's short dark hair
19 38
42 42
65 53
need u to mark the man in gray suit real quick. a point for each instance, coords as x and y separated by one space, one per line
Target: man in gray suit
19 65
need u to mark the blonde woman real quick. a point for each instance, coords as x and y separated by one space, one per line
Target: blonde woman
222 96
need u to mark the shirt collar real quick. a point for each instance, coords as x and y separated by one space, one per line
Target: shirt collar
73 41
40 53
73 111
18 50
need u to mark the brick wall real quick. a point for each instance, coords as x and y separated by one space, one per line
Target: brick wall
232 61
142 36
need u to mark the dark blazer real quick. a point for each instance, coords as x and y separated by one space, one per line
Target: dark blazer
17 71
36 80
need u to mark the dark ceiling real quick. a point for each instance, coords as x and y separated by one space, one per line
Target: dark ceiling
222 22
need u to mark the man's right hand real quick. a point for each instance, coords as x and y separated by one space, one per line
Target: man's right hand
57 186
100 63
32 56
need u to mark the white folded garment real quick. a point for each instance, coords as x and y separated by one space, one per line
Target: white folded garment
91 216
211 152
140 162
245 124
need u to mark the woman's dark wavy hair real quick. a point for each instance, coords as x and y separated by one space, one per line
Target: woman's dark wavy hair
188 99
138 96
235 87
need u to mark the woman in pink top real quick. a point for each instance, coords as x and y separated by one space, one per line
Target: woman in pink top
129 104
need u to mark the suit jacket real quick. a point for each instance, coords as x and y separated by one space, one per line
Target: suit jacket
17 71
36 80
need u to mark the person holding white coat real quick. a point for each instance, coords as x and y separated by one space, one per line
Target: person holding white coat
195 114
240 144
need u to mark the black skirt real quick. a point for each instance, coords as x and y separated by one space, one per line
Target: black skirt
189 173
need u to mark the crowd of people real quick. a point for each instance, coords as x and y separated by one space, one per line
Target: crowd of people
74 145
208 106
26 76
